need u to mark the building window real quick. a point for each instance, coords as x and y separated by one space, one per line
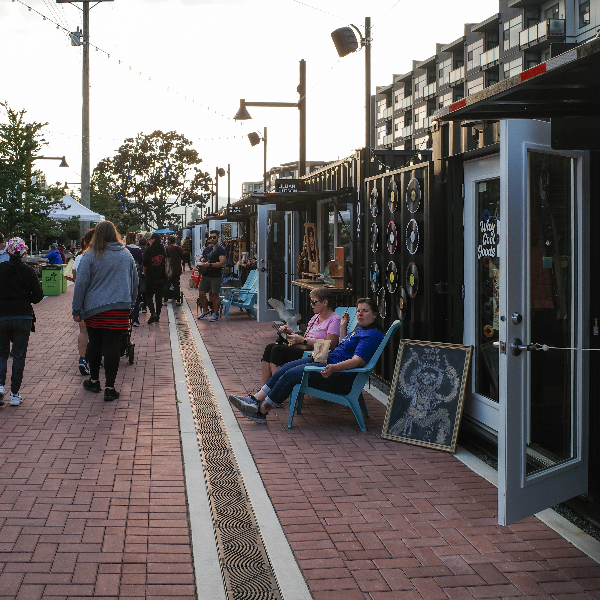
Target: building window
474 52
552 12
474 86
513 68
512 29
584 13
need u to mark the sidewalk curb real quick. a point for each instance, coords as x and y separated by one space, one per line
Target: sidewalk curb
207 568
291 581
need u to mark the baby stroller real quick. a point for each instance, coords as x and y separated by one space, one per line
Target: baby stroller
126 348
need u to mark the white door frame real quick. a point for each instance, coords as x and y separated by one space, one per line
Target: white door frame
484 410
263 313
520 495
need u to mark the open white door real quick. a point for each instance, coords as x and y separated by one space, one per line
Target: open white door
263 313
542 426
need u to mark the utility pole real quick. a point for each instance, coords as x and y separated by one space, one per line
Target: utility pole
85 114
302 109
228 185
85 107
367 82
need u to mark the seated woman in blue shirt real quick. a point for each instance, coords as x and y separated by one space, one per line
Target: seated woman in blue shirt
354 351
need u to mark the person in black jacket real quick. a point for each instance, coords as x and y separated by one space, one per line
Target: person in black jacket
19 290
154 270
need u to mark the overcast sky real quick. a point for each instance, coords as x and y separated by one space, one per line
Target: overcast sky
184 65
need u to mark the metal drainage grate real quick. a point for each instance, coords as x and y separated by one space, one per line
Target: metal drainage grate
245 565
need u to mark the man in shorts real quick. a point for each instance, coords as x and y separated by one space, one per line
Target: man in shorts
213 257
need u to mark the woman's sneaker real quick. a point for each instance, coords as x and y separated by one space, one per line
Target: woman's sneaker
246 403
15 399
259 418
84 369
2 392
203 314
92 386
110 394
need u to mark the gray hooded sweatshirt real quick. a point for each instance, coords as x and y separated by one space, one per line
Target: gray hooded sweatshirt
105 283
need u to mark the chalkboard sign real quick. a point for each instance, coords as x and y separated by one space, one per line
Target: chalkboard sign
427 394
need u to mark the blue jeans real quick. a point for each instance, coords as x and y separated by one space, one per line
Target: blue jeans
281 384
18 331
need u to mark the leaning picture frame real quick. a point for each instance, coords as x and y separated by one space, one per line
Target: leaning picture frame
312 247
427 395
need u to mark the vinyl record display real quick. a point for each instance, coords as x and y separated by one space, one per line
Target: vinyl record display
374 201
401 303
381 303
413 195
392 196
412 236
392 237
374 277
412 280
374 237
392 277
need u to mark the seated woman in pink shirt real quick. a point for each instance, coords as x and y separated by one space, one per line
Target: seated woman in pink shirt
324 325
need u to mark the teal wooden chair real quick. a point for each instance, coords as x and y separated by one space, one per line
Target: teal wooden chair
354 399
226 291
243 299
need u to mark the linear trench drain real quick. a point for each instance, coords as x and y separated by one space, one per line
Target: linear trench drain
245 565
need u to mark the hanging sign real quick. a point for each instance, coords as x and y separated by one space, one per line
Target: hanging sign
285 186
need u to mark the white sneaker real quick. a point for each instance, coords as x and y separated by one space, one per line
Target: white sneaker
15 399
203 314
214 318
2 392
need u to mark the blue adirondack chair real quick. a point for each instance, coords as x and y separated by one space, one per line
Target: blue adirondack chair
226 291
244 299
354 399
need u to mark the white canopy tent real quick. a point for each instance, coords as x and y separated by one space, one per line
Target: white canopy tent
74 209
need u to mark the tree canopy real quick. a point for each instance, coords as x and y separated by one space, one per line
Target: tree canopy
25 203
149 177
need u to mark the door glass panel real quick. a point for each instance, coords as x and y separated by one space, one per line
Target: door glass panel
552 311
276 253
487 285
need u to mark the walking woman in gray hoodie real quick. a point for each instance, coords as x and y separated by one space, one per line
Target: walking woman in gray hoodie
105 291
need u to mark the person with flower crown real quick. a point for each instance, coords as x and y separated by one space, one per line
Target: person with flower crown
19 290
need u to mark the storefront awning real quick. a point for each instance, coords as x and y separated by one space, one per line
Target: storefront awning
564 87
297 200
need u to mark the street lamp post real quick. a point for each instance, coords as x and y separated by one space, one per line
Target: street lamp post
220 173
243 115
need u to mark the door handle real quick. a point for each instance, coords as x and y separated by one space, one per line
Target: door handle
517 346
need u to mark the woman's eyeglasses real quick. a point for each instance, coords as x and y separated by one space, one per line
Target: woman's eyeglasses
313 302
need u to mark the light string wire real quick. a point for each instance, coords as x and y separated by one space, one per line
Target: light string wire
108 54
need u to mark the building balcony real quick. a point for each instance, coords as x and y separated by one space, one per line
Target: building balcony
554 28
386 113
425 124
456 76
404 132
406 102
490 57
387 140
428 90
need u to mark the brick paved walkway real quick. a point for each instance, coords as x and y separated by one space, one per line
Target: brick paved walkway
92 498
370 519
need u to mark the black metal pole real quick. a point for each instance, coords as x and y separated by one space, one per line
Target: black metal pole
216 205
228 185
368 82
302 108
265 162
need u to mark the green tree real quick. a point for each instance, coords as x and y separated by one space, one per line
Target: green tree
26 203
150 176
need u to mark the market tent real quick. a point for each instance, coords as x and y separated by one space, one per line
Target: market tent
74 209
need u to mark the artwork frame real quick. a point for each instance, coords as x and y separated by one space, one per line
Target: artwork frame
433 395
312 246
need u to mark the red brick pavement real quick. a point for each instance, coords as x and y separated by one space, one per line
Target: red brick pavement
92 499
370 519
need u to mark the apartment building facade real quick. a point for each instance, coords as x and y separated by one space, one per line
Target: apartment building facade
513 40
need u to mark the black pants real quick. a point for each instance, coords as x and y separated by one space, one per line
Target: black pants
104 342
154 293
